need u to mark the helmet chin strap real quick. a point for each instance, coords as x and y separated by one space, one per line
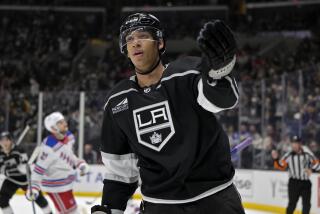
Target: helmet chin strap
148 71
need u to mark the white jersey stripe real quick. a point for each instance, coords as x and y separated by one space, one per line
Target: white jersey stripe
207 105
198 197
114 211
118 157
132 78
121 168
180 75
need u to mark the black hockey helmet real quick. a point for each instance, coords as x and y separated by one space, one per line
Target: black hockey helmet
140 22
6 134
295 139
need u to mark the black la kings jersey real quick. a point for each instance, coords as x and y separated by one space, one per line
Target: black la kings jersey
168 135
13 165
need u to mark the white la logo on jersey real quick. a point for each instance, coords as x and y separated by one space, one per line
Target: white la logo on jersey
154 126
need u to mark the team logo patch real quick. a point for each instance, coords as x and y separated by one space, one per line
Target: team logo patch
154 126
123 105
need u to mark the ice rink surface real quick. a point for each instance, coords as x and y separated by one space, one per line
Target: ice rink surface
21 206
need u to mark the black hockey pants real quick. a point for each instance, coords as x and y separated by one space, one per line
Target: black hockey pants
227 201
297 188
9 188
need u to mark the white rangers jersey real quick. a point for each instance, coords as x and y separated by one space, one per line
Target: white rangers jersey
55 168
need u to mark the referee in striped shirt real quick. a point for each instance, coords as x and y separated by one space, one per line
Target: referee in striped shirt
301 162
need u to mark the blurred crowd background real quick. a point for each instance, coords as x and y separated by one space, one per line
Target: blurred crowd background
63 47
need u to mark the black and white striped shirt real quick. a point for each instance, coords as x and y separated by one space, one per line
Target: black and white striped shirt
297 163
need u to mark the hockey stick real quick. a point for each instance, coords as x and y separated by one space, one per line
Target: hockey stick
235 150
34 155
22 135
30 188
244 144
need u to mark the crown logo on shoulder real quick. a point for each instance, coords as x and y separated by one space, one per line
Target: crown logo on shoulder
156 138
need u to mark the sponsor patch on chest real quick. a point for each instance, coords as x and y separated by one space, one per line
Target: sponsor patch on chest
154 125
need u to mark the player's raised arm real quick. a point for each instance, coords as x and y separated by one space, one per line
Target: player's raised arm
217 89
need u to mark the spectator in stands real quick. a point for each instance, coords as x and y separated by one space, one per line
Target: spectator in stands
314 147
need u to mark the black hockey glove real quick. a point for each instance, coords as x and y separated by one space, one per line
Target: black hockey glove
100 209
218 45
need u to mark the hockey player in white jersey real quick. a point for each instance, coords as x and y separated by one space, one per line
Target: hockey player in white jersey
55 169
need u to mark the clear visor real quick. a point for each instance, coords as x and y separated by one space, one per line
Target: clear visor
135 34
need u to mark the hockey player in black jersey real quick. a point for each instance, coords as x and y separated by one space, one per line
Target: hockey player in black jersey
159 125
13 162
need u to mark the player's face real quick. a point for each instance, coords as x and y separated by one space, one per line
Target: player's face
6 144
62 125
143 50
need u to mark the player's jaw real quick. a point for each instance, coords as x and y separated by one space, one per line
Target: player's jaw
144 55
63 126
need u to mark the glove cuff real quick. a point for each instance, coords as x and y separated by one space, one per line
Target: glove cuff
80 163
113 211
35 187
224 71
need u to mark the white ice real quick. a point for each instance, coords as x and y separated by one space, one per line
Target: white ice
21 206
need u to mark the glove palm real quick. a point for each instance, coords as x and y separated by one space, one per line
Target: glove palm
218 45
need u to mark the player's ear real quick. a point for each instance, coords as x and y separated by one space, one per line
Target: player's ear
160 44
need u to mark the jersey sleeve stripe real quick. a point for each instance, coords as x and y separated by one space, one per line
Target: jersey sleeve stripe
121 168
118 157
59 182
39 169
180 75
36 186
121 178
209 106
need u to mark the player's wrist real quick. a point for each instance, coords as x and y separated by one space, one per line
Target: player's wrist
219 47
223 70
